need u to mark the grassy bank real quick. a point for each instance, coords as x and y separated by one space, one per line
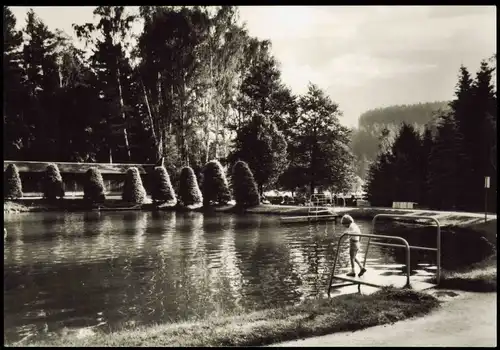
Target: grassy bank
479 277
314 317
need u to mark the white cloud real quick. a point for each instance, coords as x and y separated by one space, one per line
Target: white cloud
348 49
283 22
297 77
346 71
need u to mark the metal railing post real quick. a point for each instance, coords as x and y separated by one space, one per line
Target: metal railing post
438 260
407 265
335 263
406 245
438 247
369 240
366 253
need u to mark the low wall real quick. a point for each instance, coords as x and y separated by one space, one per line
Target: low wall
31 174
458 221
77 168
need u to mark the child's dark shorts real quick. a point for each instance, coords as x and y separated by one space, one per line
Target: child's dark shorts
354 247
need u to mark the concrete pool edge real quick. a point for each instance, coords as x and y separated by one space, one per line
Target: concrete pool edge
472 221
464 220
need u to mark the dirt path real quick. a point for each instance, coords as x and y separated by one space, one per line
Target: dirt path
468 319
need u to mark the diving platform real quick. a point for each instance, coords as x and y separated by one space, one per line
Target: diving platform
319 209
296 219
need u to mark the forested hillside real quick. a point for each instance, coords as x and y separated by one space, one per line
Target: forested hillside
370 132
445 167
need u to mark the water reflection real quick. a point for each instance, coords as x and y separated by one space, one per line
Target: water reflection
70 270
230 281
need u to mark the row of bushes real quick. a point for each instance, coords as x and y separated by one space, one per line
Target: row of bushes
214 186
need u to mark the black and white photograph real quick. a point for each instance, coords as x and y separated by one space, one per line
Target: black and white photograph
254 175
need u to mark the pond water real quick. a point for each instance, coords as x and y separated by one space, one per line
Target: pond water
113 270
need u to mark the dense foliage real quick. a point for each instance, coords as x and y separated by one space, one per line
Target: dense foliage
194 86
12 183
444 168
161 187
215 187
52 183
244 186
263 147
93 186
133 189
319 155
189 191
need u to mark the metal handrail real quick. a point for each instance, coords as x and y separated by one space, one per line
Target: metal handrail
437 249
321 200
406 245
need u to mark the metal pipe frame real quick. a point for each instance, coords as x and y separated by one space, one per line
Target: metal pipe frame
437 249
406 245
400 245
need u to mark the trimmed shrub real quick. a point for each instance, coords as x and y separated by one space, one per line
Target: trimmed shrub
162 190
52 183
214 186
189 192
12 183
93 186
244 186
133 190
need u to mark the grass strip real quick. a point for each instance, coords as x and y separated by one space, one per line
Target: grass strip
311 318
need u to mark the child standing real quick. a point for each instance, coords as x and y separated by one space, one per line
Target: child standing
351 227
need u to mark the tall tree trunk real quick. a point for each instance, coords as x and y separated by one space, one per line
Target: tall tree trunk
207 129
313 163
171 112
183 143
122 110
60 76
224 145
213 105
158 145
162 112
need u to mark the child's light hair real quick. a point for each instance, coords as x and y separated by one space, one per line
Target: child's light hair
346 219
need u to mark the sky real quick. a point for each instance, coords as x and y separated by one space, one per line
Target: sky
364 57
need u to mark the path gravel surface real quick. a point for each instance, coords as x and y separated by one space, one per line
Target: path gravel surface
464 319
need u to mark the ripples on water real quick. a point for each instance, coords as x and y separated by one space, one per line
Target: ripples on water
112 270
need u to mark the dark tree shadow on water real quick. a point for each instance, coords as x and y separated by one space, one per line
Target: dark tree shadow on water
91 223
459 247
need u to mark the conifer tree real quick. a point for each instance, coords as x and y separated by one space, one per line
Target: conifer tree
162 190
133 189
406 165
52 183
244 185
444 185
12 183
93 188
215 187
189 191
